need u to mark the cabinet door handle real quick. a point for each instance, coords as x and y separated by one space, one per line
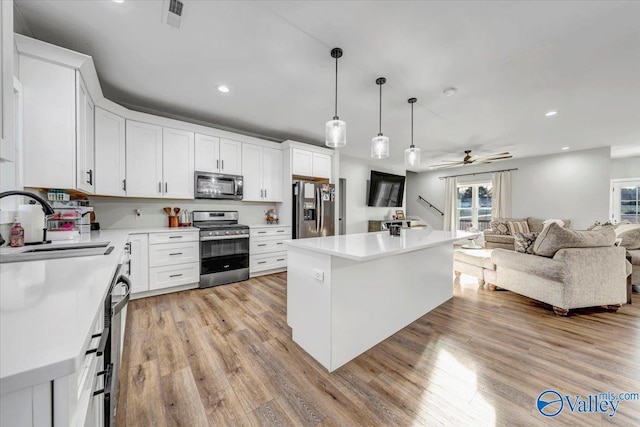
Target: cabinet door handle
159 187
280 259
124 185
262 232
223 164
262 244
280 243
265 193
217 164
262 262
90 173
175 275
175 237
279 231
177 253
166 187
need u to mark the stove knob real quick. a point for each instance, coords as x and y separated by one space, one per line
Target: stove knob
226 232
217 233
210 233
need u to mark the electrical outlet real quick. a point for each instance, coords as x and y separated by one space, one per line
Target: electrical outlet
138 213
318 274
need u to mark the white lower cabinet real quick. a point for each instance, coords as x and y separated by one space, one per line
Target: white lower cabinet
173 275
164 260
65 401
267 250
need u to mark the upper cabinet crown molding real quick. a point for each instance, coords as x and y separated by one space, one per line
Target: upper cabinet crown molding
28 46
314 148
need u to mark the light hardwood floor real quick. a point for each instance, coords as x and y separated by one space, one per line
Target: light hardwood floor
224 356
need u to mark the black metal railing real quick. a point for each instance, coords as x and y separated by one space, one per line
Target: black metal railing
430 205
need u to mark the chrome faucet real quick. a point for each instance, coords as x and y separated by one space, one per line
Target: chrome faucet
46 207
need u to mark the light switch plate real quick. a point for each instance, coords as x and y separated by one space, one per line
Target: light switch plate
318 274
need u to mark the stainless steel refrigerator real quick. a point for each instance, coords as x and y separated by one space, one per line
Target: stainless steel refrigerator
313 209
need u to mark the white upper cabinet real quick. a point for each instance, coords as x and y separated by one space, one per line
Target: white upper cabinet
49 124
207 153
301 162
160 161
272 174
85 179
262 168
218 155
144 160
252 167
177 163
321 165
230 157
310 163
7 146
110 154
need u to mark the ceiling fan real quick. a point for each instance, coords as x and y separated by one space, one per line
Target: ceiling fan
469 159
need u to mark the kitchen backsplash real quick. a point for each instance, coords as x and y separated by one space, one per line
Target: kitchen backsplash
114 212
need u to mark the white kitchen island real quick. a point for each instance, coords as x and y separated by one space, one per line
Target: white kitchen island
347 293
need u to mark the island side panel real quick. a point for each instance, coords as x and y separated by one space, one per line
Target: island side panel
372 300
309 302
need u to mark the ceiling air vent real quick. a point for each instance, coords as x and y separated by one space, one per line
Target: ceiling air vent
174 13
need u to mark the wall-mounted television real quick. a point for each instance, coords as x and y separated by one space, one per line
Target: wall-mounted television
386 190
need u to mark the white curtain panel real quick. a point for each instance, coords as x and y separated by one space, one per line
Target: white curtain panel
501 203
450 200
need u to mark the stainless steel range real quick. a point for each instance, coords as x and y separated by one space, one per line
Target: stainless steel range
224 247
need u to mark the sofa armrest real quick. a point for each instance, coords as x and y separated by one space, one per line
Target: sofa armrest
530 264
488 231
600 273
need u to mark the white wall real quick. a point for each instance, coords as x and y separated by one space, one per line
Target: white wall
357 172
573 185
625 167
112 212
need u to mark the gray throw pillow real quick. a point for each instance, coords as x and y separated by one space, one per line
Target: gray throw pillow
523 242
499 226
553 238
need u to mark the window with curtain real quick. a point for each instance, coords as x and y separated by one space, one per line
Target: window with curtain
474 206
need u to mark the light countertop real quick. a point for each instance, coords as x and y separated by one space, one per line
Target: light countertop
263 225
47 309
369 246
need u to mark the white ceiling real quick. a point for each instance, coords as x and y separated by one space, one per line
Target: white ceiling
511 61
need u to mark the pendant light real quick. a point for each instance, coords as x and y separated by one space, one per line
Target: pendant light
336 129
380 143
412 154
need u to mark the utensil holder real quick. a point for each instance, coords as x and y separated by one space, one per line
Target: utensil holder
173 221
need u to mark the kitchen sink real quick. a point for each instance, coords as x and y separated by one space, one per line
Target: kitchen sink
63 250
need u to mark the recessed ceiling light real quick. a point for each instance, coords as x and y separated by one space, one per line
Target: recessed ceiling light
118 1
565 148
550 113
223 89
450 91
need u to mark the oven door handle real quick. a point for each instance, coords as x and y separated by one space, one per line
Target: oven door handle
237 236
125 299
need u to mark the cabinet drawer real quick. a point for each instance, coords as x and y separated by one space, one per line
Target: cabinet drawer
173 253
173 275
173 237
270 231
260 246
268 261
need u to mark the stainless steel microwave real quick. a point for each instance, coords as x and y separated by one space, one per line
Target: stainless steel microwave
218 186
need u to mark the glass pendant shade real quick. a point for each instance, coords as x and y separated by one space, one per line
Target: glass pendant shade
336 133
380 147
412 156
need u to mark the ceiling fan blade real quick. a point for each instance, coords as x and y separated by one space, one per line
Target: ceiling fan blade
497 158
494 155
443 166
451 161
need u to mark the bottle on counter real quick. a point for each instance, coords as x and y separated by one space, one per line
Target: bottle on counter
17 235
